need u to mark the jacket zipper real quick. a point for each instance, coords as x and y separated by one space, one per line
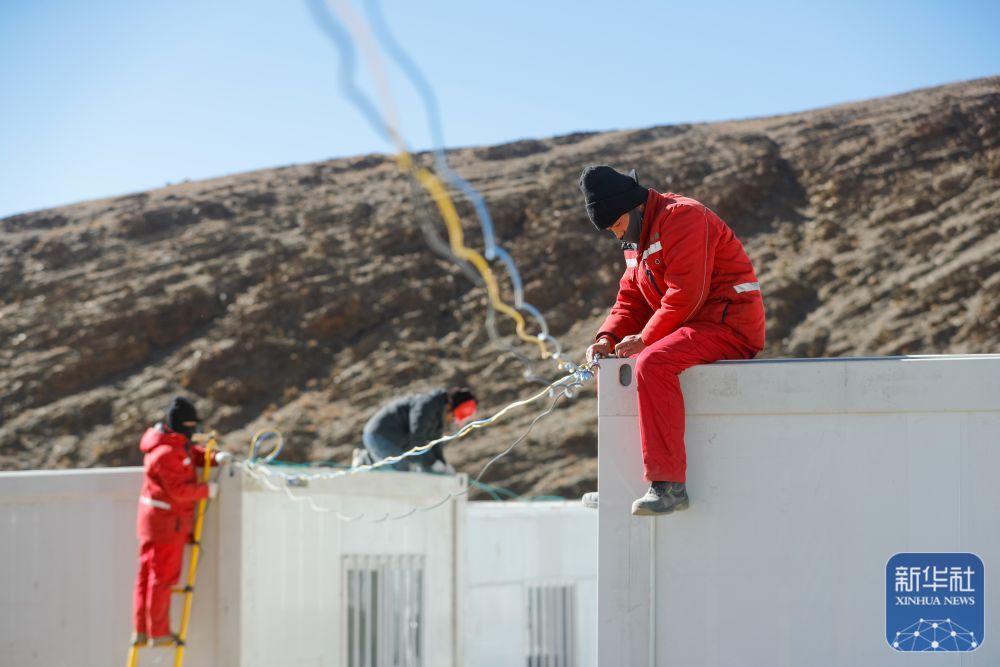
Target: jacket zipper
649 274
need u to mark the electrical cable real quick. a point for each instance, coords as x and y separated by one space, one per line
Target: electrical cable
444 251
565 385
473 264
388 129
426 93
261 473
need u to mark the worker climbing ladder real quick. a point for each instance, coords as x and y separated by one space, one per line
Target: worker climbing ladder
192 572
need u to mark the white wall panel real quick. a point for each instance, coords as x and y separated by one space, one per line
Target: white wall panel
269 585
68 561
289 595
804 477
512 546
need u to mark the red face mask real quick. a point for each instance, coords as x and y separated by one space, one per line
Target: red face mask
463 411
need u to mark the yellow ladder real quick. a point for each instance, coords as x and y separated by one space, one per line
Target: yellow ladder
192 573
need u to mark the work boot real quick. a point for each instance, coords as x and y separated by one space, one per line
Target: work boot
139 638
662 498
589 500
163 640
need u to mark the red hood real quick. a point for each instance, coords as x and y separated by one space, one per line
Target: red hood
160 435
655 203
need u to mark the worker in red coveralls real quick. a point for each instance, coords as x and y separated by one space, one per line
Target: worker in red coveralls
689 295
170 491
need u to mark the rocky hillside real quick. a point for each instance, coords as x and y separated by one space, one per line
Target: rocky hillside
303 297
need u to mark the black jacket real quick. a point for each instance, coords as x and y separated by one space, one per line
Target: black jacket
412 421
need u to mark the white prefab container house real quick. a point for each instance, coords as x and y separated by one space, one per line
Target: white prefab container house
282 581
805 478
532 585
309 582
68 558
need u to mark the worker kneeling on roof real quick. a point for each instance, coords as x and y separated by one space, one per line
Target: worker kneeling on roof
689 295
170 490
413 421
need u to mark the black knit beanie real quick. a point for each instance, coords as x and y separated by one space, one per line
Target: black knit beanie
609 194
459 395
181 410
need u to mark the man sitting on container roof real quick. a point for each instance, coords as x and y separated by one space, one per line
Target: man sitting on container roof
413 421
689 295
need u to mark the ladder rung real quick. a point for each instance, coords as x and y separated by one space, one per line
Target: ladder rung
182 591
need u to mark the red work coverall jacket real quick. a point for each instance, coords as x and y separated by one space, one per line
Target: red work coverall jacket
170 487
689 266
692 294
170 490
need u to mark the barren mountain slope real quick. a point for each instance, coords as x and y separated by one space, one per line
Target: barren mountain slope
303 297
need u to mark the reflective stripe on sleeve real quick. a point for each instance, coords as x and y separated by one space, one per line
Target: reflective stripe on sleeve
747 287
631 261
158 504
656 247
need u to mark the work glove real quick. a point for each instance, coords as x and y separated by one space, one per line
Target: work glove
213 489
223 458
443 468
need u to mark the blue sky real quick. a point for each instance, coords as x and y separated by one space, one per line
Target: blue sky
106 97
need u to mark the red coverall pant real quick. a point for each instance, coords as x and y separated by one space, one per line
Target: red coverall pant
661 404
159 571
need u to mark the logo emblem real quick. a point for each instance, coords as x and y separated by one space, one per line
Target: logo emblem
934 602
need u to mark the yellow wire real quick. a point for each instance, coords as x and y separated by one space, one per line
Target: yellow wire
445 205
433 185
252 455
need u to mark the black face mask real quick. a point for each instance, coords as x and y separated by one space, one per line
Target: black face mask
630 239
634 230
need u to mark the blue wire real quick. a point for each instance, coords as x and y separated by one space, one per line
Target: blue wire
426 92
348 62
